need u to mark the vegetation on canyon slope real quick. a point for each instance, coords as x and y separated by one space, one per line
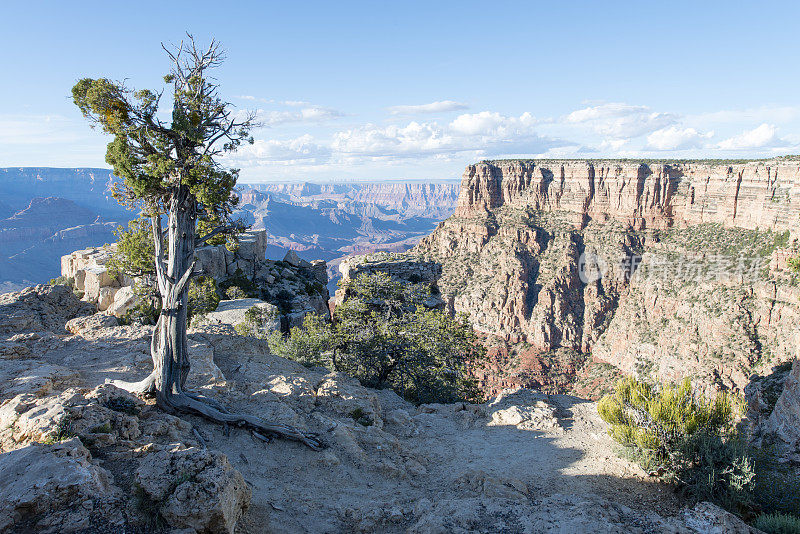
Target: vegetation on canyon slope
383 335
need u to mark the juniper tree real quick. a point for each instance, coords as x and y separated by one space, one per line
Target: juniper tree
170 169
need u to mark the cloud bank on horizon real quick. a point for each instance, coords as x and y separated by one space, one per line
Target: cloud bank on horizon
409 137
302 140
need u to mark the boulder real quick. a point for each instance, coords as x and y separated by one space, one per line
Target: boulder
211 261
106 297
711 519
292 258
124 300
319 268
195 488
56 484
96 278
784 421
86 323
80 278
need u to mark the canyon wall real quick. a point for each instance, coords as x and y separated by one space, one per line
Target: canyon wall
757 194
660 269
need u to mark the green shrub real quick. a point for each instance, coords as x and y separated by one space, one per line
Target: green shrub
63 281
62 431
235 292
794 264
148 307
256 321
683 437
778 524
241 281
385 337
203 296
309 345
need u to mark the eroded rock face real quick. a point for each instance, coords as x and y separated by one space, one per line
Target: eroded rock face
40 308
55 488
747 195
784 421
568 256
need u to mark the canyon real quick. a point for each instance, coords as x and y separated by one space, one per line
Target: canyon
579 271
46 213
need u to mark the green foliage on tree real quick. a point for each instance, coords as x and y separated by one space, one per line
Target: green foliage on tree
684 437
135 249
235 292
387 338
310 345
147 309
245 286
63 281
383 335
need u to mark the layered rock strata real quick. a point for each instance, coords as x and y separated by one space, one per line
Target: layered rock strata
661 269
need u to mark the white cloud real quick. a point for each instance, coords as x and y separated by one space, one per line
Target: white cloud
484 133
413 139
434 107
621 121
605 111
675 138
308 114
300 149
252 98
494 124
296 103
635 125
760 137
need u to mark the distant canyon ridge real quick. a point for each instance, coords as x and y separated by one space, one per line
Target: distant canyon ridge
49 212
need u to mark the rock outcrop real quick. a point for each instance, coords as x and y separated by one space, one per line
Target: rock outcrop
659 269
296 285
398 266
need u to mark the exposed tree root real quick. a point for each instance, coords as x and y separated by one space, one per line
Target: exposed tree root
141 387
187 403
198 404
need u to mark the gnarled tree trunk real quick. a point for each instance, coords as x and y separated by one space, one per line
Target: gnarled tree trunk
169 346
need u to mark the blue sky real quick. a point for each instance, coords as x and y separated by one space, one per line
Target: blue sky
418 90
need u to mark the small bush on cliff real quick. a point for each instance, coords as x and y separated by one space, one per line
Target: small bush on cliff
256 321
235 292
239 280
63 281
681 436
309 345
148 307
778 524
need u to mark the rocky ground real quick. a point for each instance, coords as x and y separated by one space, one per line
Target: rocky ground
81 456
